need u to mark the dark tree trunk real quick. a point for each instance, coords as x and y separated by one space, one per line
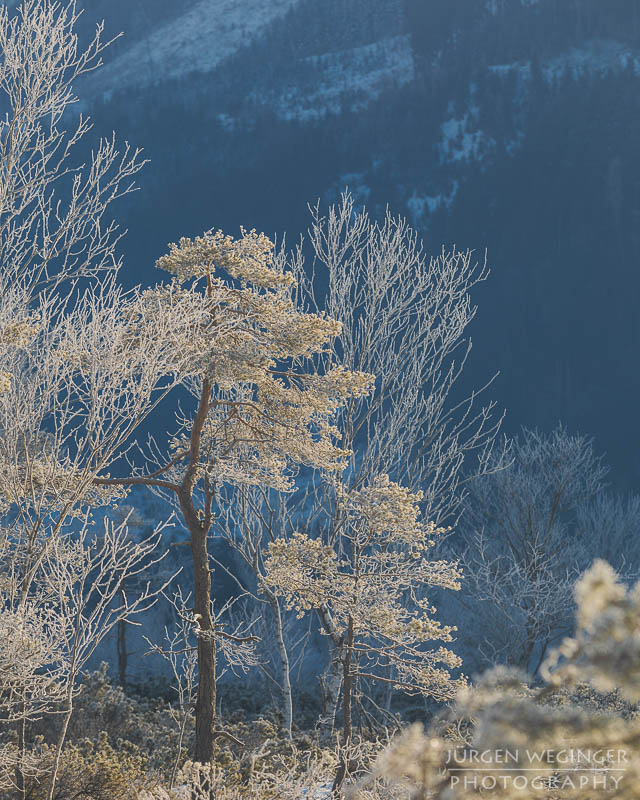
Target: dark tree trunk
198 525
347 702
206 700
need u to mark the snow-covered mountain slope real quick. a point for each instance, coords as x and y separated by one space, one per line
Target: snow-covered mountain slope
305 70
505 123
349 78
597 56
197 41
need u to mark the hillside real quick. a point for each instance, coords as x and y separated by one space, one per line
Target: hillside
506 125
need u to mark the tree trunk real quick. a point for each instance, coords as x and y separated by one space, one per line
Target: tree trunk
198 525
347 691
287 694
331 684
331 681
61 740
176 763
347 702
206 699
20 782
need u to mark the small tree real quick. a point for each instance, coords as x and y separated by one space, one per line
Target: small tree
251 518
82 575
371 594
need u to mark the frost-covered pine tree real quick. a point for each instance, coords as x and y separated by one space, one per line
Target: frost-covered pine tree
260 408
371 593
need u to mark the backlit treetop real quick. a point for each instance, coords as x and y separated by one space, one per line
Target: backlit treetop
241 346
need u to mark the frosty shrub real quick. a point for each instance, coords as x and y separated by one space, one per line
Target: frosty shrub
506 739
526 535
92 769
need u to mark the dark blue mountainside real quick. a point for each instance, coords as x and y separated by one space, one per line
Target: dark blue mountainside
511 125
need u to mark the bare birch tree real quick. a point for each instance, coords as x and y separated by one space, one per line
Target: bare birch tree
249 519
404 318
74 385
525 544
71 606
52 209
77 388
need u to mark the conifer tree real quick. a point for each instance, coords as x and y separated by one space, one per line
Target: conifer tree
243 351
370 593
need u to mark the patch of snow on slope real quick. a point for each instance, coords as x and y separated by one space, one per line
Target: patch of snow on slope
350 78
494 7
460 142
599 55
420 205
197 41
